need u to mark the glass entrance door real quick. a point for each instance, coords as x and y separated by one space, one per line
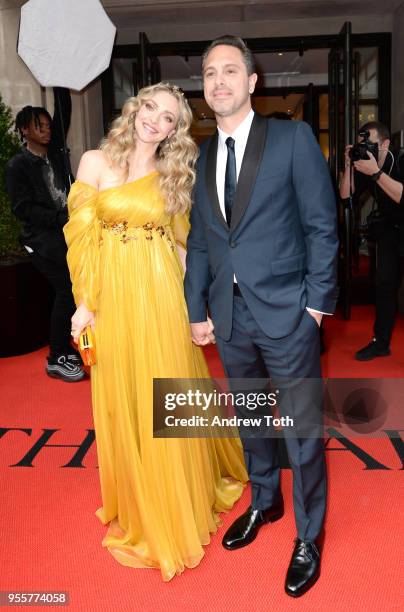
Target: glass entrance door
149 64
342 89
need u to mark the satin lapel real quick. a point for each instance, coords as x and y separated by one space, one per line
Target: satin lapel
210 177
249 168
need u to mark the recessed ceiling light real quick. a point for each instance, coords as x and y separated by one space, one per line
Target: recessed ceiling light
280 53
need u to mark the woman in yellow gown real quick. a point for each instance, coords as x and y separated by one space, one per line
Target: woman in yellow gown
128 220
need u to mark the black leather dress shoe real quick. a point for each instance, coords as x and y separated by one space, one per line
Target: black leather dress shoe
245 529
372 350
304 568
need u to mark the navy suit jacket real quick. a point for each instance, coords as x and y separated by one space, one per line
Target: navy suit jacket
282 243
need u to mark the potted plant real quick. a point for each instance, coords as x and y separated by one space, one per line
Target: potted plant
25 296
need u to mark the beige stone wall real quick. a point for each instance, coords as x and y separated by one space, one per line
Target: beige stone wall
19 88
86 128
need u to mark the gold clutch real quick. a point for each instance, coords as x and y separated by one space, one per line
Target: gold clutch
86 346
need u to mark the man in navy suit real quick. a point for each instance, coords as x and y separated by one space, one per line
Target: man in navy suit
261 260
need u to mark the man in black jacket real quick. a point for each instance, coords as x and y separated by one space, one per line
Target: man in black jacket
38 184
383 178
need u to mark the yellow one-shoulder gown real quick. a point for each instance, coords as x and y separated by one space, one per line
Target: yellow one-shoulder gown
160 497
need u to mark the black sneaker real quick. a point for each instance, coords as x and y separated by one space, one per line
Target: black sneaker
61 367
371 350
75 358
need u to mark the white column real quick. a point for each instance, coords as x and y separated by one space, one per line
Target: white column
17 85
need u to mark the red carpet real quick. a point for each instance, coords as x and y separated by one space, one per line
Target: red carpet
51 540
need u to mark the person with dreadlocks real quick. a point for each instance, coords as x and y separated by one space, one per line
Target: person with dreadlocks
38 185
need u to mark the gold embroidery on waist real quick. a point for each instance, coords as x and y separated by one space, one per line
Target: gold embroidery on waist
126 232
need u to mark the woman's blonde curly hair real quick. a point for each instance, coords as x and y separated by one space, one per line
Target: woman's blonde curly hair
176 156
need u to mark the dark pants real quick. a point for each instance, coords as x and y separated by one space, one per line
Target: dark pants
251 354
63 308
389 271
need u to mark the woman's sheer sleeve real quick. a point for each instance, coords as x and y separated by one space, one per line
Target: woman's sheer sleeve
82 233
180 225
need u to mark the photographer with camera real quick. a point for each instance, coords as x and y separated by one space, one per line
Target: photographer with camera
371 166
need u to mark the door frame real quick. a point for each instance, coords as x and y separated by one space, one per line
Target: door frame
381 40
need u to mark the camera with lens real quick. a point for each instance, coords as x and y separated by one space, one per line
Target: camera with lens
360 150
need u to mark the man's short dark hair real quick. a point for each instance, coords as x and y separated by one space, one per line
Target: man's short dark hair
238 43
381 129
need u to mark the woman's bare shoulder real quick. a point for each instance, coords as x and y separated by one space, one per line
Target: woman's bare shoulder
92 165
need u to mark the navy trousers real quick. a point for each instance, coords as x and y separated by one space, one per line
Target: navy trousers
251 354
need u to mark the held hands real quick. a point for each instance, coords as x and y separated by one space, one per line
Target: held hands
81 318
367 166
202 333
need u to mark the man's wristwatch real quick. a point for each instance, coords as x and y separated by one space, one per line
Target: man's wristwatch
375 177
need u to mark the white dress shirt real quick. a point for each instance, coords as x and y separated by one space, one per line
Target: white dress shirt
240 136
